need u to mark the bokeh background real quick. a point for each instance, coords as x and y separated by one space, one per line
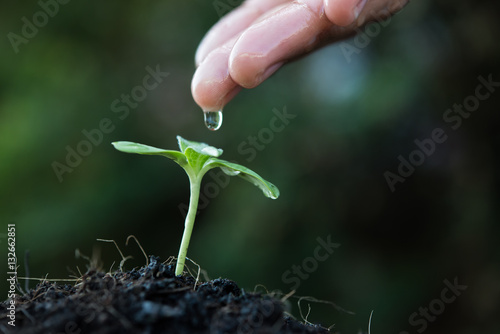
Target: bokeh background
355 114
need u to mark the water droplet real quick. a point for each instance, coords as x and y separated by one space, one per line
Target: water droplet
213 119
230 171
209 150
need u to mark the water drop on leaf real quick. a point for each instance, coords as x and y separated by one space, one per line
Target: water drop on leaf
230 171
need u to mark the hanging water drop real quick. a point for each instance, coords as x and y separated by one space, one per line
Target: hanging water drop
213 119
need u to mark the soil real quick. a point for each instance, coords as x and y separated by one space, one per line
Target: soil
149 300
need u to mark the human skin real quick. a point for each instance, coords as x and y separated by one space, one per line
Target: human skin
253 41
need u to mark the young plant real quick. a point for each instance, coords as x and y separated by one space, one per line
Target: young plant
197 159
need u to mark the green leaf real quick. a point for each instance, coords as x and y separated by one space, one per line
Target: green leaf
198 158
201 148
130 147
232 169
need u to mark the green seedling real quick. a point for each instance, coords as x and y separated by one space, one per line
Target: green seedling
197 159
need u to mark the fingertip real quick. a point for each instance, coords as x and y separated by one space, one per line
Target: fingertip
249 72
343 12
263 48
244 69
202 93
212 87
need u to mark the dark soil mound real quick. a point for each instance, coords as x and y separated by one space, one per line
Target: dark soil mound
149 300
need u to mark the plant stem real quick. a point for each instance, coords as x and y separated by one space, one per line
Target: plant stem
195 183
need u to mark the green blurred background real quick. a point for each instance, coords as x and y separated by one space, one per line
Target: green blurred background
354 116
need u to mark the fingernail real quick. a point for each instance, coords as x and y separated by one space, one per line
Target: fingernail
359 7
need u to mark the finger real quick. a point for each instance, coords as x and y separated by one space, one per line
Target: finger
343 12
212 87
233 24
358 12
288 32
294 29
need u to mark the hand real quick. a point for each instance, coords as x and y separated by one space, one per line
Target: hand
254 40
